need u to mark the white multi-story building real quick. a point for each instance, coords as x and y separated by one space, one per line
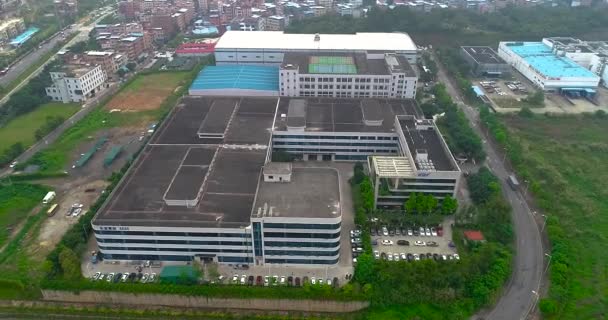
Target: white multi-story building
76 83
269 47
359 75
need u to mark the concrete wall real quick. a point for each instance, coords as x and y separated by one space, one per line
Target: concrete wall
173 300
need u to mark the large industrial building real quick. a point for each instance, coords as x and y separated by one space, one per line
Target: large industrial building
268 63
205 188
484 61
548 69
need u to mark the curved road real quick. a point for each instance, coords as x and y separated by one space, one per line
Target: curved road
521 293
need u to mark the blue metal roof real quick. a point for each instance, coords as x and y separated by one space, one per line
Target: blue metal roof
478 91
237 77
541 58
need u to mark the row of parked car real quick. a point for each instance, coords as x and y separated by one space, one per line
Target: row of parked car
275 280
356 244
425 231
415 256
125 277
417 243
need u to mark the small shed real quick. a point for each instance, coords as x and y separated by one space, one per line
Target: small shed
277 172
474 236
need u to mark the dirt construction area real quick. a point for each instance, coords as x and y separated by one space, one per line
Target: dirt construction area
146 92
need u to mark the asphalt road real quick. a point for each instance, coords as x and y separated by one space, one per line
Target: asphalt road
30 58
520 295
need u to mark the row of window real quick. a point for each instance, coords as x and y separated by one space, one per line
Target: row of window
279 136
192 242
302 261
338 144
174 234
145 257
301 235
425 187
269 244
301 253
174 249
302 226
366 151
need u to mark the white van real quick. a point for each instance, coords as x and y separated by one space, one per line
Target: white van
49 197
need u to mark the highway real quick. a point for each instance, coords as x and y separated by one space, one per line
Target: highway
520 295
36 54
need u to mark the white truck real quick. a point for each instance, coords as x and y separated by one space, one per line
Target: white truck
49 197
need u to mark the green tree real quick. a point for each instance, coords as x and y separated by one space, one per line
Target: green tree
70 264
358 174
536 99
421 203
365 270
449 205
131 65
526 112
410 203
483 185
430 203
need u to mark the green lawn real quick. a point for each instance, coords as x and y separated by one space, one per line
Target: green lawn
22 128
16 202
568 158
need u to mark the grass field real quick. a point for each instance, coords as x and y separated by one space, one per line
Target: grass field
22 128
568 158
54 158
16 202
146 92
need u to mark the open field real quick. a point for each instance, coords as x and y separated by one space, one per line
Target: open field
22 128
146 92
567 159
55 158
16 202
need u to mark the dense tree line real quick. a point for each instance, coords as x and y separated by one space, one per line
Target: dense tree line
50 125
28 97
460 137
483 185
453 26
11 153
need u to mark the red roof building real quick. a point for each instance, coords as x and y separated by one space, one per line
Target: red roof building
474 236
195 49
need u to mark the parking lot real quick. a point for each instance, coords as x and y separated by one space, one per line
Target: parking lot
398 244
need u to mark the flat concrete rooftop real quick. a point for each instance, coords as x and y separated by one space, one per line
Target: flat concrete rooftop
429 141
346 115
178 165
484 54
312 193
354 63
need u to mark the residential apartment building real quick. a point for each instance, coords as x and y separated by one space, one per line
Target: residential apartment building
75 83
276 23
109 61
